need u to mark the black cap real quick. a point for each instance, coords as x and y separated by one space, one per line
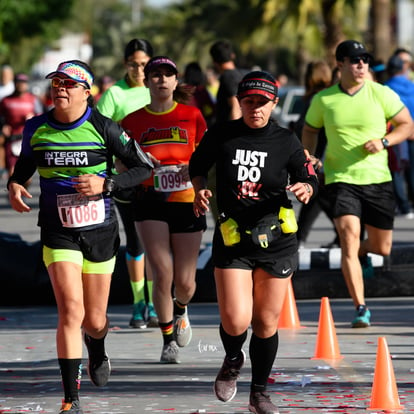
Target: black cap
258 83
395 64
350 48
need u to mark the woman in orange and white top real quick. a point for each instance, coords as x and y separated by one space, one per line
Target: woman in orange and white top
169 131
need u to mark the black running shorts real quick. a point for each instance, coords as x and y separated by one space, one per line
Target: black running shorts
179 216
280 259
374 204
97 245
280 267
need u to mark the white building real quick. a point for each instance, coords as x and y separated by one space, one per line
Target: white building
70 46
405 26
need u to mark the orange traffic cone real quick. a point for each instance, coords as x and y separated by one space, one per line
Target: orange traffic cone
289 317
326 342
384 389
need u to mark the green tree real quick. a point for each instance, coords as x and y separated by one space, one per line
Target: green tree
281 36
26 25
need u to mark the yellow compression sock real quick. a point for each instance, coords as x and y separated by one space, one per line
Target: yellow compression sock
149 287
138 290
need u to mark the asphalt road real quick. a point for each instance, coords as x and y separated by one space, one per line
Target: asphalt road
30 381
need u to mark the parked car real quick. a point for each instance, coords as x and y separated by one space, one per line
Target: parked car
290 105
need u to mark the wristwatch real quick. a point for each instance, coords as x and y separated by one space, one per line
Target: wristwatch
385 142
109 185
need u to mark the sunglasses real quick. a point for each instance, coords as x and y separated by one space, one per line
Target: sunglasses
65 83
356 59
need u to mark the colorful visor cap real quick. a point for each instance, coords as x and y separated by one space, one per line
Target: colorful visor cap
73 71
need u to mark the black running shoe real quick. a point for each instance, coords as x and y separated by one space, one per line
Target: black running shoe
225 385
260 403
99 365
71 408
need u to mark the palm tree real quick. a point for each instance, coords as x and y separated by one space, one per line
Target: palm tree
382 41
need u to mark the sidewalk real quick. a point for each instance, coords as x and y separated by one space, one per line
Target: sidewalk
30 381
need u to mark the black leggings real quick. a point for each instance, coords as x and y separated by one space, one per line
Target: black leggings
134 246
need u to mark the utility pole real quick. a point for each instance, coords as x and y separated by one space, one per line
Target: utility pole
405 24
136 11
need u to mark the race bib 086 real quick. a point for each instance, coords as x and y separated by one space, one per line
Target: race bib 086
77 210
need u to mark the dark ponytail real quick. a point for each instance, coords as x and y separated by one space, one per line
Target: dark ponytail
135 45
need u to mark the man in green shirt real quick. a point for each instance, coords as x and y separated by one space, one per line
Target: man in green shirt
355 113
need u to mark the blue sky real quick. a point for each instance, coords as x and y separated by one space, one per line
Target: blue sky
159 3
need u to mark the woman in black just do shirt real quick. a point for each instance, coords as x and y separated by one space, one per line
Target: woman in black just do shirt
255 251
